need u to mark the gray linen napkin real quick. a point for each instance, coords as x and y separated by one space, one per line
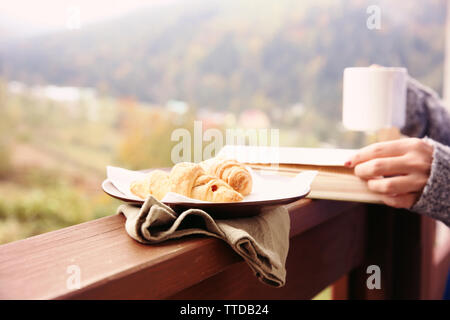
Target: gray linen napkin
262 240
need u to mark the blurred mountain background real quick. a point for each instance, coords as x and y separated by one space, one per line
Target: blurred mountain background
113 90
234 55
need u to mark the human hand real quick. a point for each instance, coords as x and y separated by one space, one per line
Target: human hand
398 169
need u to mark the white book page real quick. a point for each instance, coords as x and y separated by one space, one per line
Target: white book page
286 155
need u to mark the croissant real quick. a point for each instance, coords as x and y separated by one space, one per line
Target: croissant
188 179
155 183
230 171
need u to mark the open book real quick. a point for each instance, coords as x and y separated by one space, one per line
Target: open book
334 181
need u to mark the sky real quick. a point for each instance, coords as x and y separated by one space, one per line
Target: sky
31 17
44 15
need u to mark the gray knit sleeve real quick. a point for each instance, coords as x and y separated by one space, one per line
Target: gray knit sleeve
425 114
435 198
427 118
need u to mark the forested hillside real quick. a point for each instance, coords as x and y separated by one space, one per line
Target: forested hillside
235 54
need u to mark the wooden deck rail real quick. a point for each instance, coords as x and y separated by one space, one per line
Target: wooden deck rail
329 240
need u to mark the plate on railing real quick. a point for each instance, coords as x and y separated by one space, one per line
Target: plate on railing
270 189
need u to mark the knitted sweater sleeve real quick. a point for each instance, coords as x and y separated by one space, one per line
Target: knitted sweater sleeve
427 118
425 114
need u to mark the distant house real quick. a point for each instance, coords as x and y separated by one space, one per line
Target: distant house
71 98
253 118
215 119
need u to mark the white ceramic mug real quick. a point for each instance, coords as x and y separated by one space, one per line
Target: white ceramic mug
374 98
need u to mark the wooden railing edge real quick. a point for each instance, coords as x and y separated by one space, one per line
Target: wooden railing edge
27 255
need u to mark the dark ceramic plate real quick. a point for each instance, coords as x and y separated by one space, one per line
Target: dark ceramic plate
217 210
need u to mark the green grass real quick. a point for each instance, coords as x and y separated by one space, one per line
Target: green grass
325 294
40 201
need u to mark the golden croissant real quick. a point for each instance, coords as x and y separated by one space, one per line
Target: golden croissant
187 179
230 171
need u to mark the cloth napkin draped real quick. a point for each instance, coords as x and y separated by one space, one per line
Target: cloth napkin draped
262 240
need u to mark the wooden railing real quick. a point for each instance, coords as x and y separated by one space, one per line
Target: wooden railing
330 240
